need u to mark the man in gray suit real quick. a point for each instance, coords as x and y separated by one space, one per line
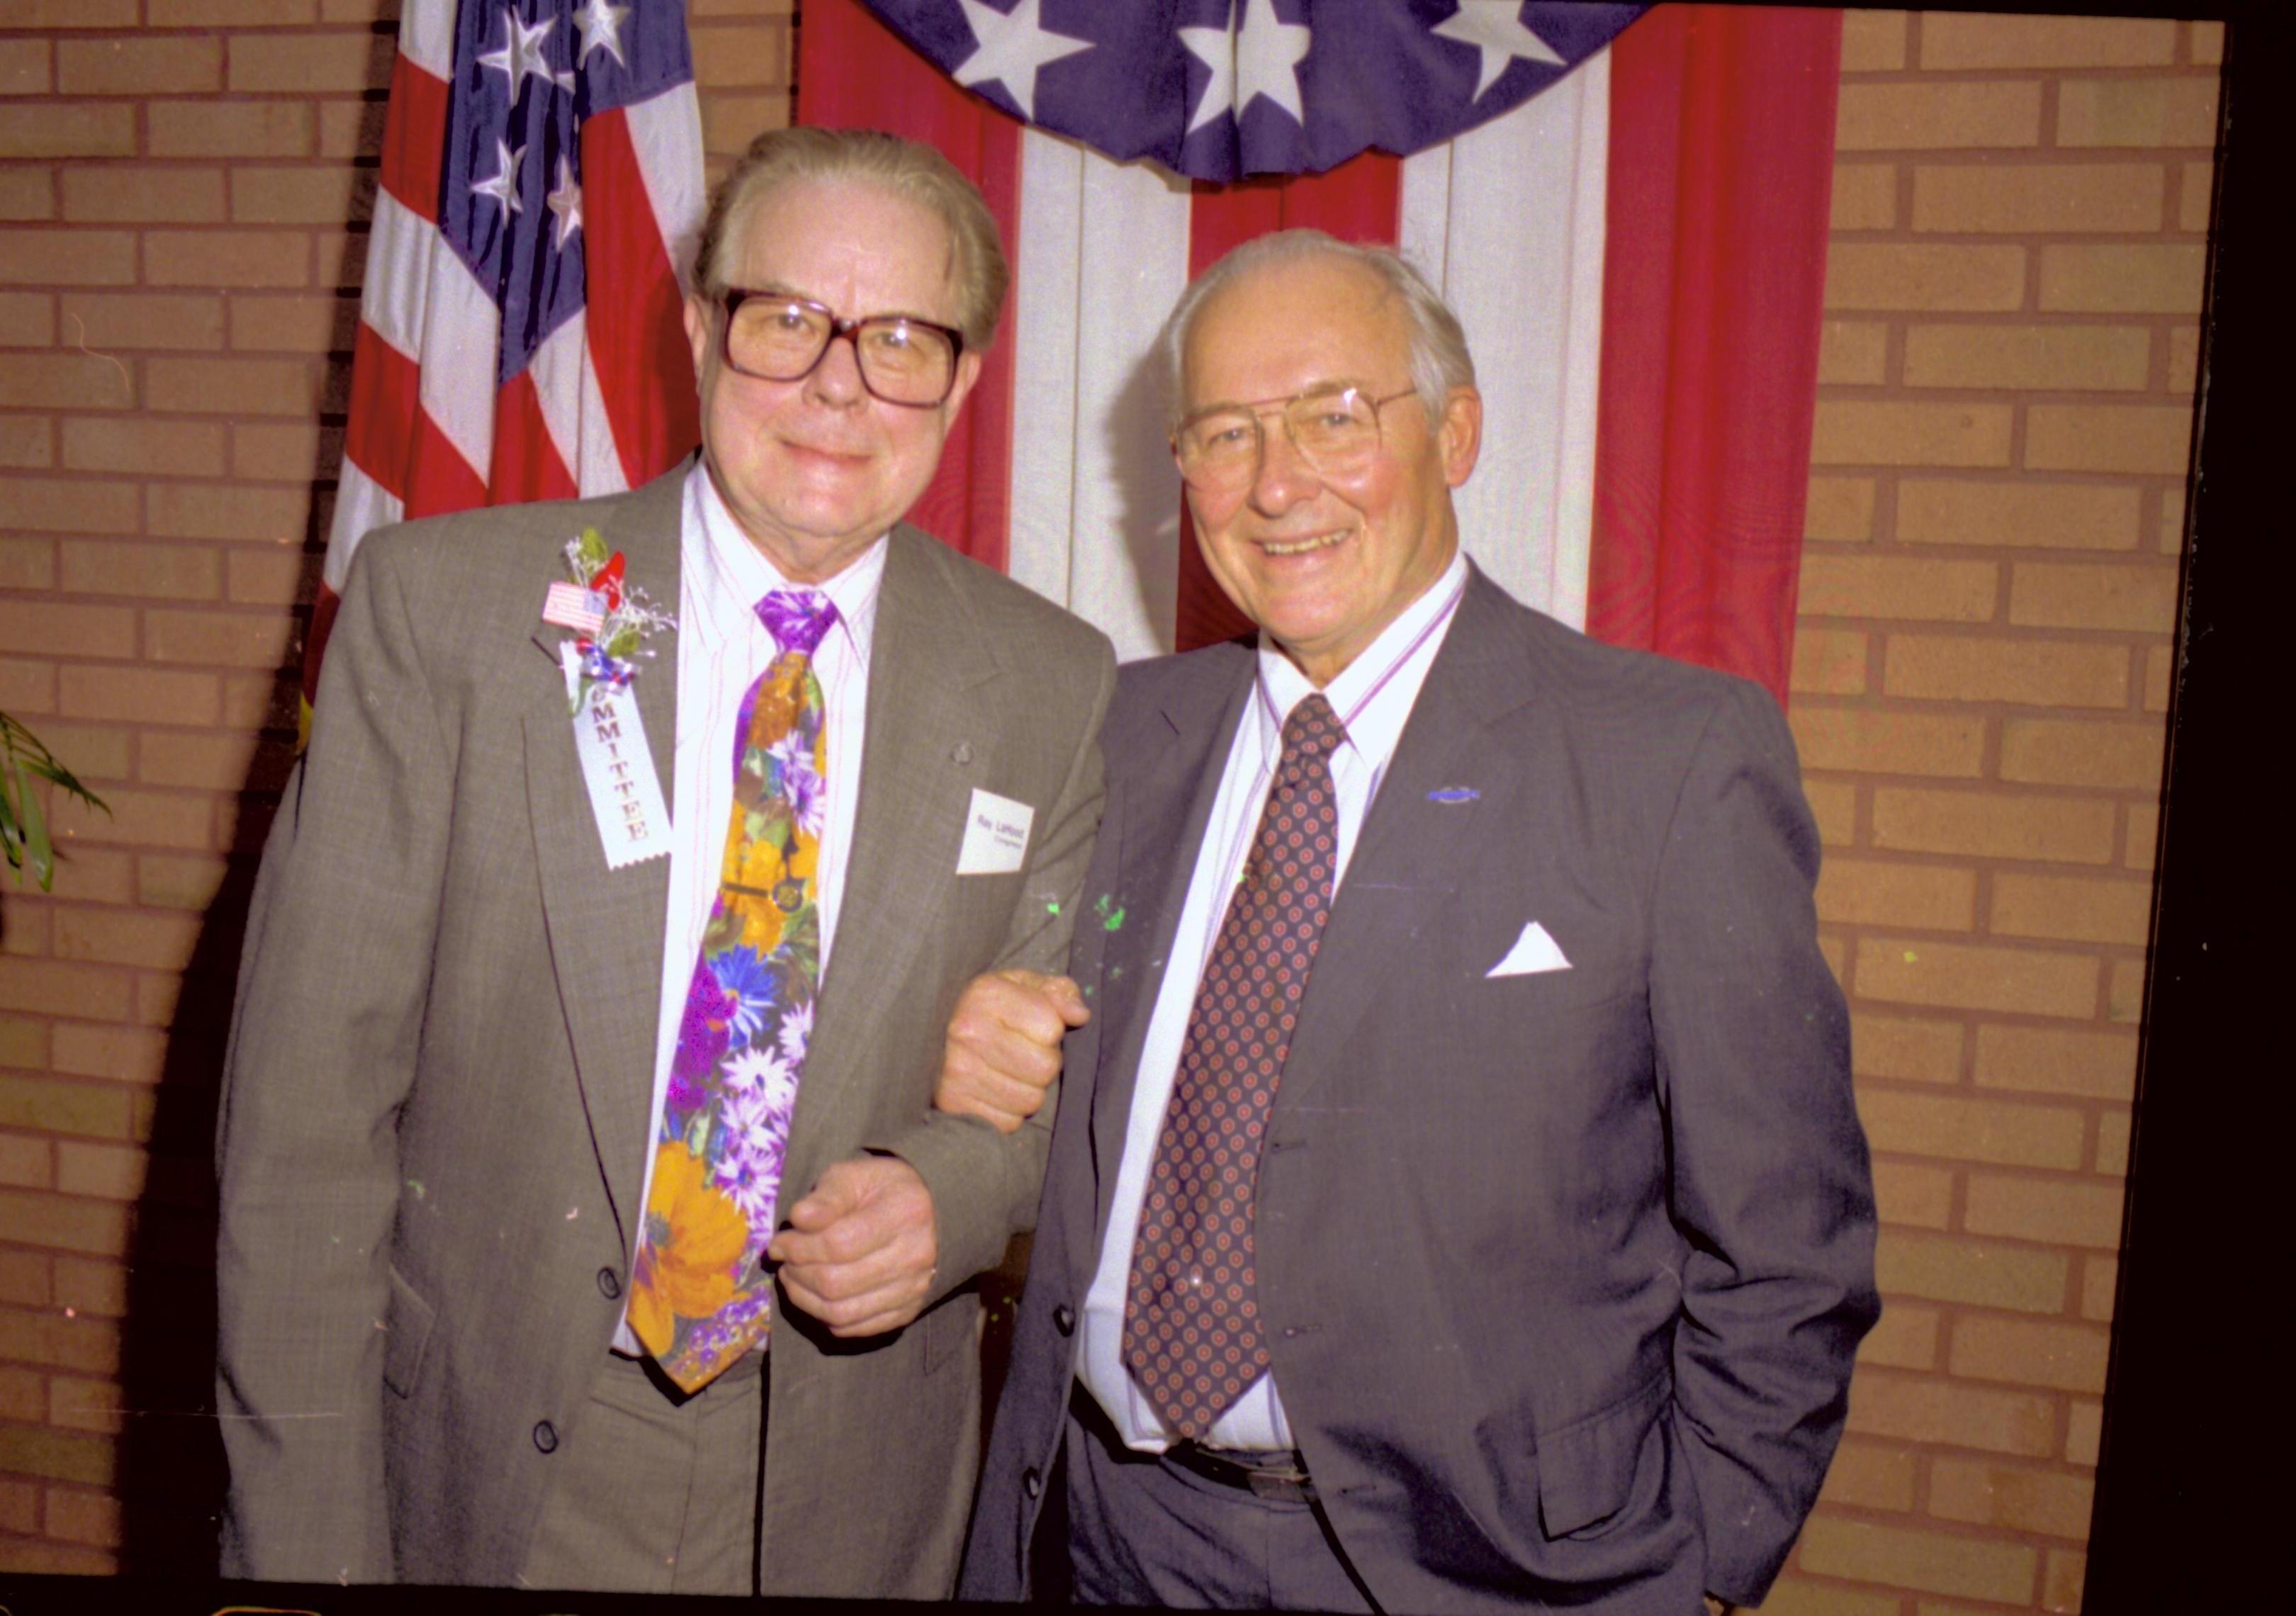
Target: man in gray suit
577 1107
1456 1202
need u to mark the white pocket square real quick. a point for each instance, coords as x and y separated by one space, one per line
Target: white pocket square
1534 951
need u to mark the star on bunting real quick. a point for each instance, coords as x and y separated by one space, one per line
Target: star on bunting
1249 58
1013 47
1496 30
1215 47
601 23
1267 57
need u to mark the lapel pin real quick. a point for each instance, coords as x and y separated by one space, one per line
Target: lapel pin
1454 793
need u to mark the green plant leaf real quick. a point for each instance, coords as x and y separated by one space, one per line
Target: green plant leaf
12 832
39 855
23 827
592 548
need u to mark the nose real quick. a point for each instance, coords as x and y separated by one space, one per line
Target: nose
835 378
1284 477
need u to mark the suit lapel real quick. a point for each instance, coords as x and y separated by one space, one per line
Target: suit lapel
929 656
1163 831
1422 830
605 926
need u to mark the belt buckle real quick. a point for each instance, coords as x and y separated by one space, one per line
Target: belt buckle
1291 1486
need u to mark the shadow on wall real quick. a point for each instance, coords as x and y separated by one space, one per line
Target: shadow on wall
1175 588
171 1473
1147 492
171 1476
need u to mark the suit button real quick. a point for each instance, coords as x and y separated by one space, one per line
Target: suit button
1032 1482
610 1284
1064 1319
546 1437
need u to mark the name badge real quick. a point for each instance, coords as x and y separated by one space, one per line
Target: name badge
618 767
995 835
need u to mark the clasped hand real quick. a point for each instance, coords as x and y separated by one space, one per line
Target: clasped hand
1004 1047
859 1252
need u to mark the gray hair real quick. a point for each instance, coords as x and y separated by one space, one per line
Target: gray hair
888 163
1440 359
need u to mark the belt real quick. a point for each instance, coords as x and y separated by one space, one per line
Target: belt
1280 1474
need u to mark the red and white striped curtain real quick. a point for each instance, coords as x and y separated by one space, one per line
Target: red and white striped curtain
1637 255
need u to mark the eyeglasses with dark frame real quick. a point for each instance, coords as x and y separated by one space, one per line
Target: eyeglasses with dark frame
1335 428
776 336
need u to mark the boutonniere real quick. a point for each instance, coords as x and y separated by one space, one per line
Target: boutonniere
612 620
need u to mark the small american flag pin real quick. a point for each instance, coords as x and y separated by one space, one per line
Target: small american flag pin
572 606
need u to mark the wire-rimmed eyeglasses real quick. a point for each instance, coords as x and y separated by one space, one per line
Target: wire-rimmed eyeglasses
1336 430
775 336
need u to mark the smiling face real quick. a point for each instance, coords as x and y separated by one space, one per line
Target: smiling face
816 469
1324 565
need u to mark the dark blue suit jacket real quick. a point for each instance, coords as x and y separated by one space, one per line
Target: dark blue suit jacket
1562 1274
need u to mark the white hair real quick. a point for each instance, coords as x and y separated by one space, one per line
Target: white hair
1438 357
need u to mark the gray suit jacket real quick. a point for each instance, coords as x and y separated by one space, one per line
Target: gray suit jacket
1562 1274
436 1112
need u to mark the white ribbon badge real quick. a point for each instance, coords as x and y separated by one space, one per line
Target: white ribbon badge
618 767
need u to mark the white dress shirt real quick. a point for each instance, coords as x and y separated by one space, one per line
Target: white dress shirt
722 648
1372 696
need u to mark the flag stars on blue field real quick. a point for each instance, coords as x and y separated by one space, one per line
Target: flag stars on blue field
1255 56
528 73
601 23
566 203
1219 89
1500 35
520 56
1013 49
501 186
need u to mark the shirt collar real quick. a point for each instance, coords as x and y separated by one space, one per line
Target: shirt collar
735 575
1372 695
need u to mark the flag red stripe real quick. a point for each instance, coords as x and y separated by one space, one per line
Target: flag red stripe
438 480
526 464
635 329
390 438
855 72
384 401
314 644
1360 200
414 137
1721 168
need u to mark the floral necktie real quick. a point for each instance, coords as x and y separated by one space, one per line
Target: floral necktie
700 1297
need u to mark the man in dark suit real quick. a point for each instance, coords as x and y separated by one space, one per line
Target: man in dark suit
1455 1201
564 1120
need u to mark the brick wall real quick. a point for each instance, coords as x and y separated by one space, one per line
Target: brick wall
1981 673
183 192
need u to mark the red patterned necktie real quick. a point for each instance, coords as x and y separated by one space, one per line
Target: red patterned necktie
1192 1323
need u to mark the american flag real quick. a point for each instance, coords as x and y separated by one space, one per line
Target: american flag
1630 221
519 335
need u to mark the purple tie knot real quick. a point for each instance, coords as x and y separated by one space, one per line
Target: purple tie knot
797 619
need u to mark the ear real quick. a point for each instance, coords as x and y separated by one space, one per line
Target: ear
698 312
968 371
1461 436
